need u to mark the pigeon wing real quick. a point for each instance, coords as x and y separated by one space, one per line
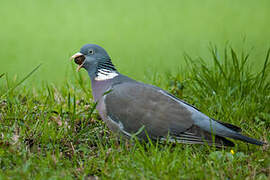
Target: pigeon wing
136 105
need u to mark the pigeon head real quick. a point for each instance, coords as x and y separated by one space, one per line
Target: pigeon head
94 59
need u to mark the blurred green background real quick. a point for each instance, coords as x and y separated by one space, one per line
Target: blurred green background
141 36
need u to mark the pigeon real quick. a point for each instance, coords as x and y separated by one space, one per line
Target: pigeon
129 107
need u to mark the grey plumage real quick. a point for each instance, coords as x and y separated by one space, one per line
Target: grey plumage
130 105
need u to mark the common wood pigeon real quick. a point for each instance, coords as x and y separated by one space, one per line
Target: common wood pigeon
130 107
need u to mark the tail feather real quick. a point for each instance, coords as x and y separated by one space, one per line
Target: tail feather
230 126
235 133
247 139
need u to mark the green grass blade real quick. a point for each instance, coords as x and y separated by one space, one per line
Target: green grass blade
235 63
264 67
2 75
26 77
216 61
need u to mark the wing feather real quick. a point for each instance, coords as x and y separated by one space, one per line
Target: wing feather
135 105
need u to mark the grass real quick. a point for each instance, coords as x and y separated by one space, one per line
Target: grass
54 132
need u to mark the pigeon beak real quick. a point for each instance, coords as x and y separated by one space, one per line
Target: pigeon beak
78 54
79 59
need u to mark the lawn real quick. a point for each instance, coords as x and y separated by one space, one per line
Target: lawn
212 54
55 132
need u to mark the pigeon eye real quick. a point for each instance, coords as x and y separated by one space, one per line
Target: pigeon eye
91 51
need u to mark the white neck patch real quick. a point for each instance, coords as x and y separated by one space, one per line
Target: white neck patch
105 74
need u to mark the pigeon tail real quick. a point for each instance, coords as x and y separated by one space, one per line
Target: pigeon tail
238 136
230 126
247 139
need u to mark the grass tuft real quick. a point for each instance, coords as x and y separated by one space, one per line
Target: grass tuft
228 88
20 82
